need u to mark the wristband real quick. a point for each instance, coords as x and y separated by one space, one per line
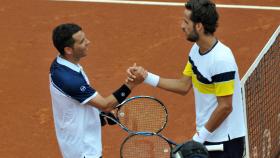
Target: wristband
121 93
201 136
152 79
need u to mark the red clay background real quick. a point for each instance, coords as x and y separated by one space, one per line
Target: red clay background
121 35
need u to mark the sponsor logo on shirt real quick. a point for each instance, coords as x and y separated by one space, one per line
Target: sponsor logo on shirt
83 88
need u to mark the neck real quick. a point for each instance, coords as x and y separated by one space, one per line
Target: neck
205 43
70 59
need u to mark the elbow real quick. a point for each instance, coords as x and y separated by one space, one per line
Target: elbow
227 109
183 93
184 89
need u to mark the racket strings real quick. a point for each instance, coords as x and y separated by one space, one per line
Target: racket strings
139 146
143 114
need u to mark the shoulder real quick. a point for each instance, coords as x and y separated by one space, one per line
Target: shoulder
223 59
64 76
194 49
223 53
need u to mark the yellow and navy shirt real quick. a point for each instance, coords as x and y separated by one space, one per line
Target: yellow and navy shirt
213 74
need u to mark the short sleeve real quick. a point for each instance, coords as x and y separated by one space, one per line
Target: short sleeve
188 70
80 91
224 74
73 84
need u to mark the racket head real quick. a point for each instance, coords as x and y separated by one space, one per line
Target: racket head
143 114
142 146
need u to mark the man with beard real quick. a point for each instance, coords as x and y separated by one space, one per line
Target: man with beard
213 73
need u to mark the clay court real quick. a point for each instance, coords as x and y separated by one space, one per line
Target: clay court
120 35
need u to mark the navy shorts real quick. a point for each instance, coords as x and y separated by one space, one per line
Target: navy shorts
233 148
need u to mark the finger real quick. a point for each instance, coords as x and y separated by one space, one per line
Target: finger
131 76
132 69
130 79
129 73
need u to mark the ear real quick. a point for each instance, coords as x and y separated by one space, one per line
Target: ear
199 27
68 50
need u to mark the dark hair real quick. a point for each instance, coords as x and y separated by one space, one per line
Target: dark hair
204 11
62 36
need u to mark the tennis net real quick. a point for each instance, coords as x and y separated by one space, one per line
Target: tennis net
261 98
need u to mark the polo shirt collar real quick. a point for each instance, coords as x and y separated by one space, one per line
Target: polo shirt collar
68 64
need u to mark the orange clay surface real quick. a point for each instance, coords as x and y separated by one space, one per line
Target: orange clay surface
120 35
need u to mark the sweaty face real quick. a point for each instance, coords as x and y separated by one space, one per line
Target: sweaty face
80 46
188 27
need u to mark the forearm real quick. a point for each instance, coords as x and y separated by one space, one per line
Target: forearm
109 103
217 117
180 86
174 85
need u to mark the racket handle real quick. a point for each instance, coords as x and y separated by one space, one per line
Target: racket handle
219 147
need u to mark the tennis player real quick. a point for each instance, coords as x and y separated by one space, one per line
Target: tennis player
213 73
75 102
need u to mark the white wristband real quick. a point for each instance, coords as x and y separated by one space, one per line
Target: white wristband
152 79
202 135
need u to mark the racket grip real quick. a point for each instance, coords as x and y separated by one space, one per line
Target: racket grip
102 120
111 122
219 147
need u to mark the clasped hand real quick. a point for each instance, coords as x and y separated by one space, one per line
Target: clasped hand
135 74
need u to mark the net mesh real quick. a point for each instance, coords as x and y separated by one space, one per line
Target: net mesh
262 93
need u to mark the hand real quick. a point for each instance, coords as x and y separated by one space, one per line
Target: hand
104 120
197 138
202 135
136 75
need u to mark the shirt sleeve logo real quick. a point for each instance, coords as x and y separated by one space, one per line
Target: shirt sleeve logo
83 88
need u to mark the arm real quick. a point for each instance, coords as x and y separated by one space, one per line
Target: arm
105 104
108 103
180 86
222 111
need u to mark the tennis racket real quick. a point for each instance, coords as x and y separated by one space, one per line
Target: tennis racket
152 146
140 115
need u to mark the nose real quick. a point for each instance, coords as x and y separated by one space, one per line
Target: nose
88 42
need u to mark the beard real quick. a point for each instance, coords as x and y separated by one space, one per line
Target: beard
193 36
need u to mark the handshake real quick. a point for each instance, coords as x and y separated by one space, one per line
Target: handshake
137 74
